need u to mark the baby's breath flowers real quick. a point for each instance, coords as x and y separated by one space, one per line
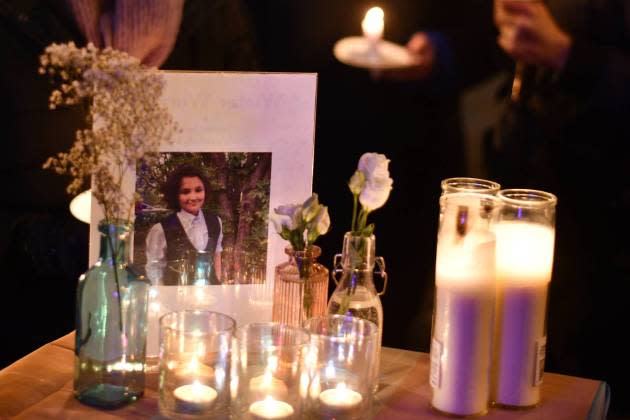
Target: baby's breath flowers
126 122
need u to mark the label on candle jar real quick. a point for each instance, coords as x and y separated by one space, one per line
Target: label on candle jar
436 366
539 362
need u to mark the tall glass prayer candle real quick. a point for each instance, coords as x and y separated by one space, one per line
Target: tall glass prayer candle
464 304
525 242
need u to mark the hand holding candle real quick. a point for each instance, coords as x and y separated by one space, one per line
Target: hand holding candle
372 51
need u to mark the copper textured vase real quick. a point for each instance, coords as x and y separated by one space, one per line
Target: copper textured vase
301 287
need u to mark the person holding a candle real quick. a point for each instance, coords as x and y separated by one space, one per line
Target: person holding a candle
188 229
564 130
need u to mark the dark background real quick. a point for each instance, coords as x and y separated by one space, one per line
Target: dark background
418 125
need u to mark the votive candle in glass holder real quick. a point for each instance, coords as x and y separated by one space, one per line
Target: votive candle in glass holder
465 282
195 361
525 234
341 367
266 371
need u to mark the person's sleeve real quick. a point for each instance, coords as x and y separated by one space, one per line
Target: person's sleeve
155 250
599 71
219 247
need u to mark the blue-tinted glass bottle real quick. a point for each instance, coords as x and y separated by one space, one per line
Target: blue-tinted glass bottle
111 317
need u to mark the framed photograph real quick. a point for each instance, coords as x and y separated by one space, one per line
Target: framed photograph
246 140
213 202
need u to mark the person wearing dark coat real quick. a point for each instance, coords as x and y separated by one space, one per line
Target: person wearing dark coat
43 249
565 131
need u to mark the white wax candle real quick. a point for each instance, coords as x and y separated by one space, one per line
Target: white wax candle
194 398
373 24
270 409
524 264
340 400
463 323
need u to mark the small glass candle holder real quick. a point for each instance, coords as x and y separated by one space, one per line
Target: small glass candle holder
525 234
195 361
341 366
266 371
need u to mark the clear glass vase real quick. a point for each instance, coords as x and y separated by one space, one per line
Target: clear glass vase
353 273
111 316
301 287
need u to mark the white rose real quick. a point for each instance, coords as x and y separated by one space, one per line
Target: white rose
279 222
319 225
310 208
288 216
322 221
378 183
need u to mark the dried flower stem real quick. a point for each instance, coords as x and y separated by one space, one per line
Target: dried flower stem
126 120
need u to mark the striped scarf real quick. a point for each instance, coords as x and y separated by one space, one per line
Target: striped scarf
145 29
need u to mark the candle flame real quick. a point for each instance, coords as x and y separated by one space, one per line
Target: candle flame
375 14
373 23
197 388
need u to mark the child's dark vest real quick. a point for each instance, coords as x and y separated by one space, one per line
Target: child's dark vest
179 247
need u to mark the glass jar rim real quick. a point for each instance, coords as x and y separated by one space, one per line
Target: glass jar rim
523 197
299 331
230 328
351 234
371 329
313 251
472 195
457 184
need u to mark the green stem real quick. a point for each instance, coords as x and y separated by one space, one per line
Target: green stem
304 267
362 221
354 212
115 264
